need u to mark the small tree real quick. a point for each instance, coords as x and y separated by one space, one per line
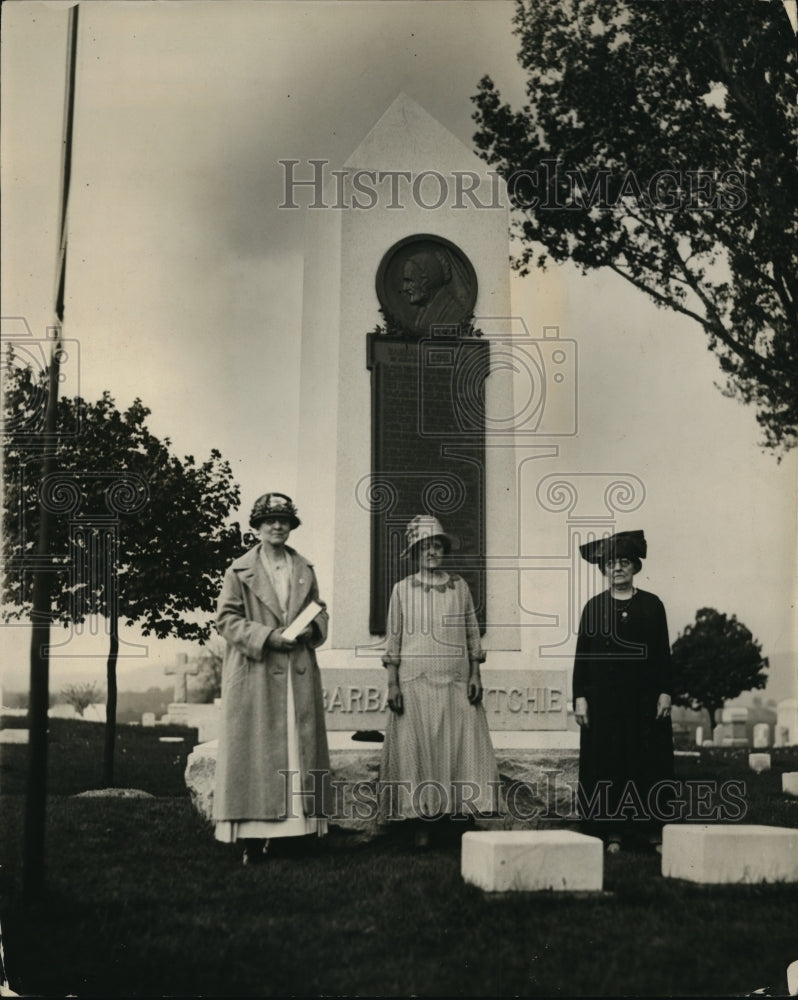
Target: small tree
715 659
161 559
80 696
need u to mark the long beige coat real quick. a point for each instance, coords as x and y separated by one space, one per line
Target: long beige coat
253 741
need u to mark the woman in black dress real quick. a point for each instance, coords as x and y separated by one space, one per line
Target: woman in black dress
622 699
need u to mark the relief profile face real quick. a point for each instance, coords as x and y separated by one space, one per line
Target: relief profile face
426 281
415 285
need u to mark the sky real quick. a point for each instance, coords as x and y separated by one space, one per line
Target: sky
184 285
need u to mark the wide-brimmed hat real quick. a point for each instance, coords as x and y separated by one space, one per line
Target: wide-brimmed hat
425 526
623 545
274 505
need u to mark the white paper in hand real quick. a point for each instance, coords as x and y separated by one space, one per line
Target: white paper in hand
302 620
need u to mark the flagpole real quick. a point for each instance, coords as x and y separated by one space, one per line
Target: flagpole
36 788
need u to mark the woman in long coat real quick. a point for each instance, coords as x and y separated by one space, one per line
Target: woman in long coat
622 699
272 770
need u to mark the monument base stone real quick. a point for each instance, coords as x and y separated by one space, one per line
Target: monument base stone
538 785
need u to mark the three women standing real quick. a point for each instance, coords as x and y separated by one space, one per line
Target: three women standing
272 772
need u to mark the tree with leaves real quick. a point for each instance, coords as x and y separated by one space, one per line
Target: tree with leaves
659 142
715 659
139 536
80 696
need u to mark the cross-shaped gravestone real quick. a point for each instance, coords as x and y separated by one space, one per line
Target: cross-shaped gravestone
181 669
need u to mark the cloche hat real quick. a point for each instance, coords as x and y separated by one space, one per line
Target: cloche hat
273 505
622 545
425 526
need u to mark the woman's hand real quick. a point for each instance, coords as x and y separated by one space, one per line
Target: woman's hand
395 700
278 642
580 712
474 682
305 636
475 689
664 706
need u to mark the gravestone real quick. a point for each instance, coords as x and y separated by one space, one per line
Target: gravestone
352 525
716 853
181 669
417 413
759 762
787 721
699 736
735 722
178 710
761 736
532 861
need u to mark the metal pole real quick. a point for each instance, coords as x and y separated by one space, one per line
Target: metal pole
36 789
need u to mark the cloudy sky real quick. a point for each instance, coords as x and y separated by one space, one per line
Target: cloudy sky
185 278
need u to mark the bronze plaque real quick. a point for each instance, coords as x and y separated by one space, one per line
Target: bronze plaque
426 285
428 456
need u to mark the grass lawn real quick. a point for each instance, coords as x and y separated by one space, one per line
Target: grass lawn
141 901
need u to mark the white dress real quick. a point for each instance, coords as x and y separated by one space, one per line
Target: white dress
437 756
296 824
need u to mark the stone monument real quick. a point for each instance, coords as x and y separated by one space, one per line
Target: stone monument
409 403
429 271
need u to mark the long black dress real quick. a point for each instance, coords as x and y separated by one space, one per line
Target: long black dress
622 665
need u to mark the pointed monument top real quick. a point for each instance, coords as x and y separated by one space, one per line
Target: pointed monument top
407 137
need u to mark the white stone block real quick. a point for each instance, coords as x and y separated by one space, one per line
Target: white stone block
699 736
761 735
792 979
787 720
148 719
532 861
759 762
14 735
789 782
730 853
734 715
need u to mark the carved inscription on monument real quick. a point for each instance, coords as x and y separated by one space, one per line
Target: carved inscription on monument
428 456
515 700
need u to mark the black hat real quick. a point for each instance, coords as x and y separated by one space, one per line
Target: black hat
623 545
273 505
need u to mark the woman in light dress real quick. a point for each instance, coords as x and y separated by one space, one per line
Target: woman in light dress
438 758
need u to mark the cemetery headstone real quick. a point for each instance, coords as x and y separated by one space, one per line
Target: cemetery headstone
759 762
761 735
181 669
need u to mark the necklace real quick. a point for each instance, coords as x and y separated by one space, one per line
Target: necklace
622 605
